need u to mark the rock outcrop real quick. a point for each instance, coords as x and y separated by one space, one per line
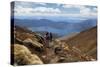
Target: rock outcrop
22 56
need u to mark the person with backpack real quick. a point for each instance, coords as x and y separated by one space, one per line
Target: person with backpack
50 36
46 39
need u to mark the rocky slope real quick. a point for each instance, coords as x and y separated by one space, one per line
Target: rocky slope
86 42
80 47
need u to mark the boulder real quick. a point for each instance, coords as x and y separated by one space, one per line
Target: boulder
22 56
34 43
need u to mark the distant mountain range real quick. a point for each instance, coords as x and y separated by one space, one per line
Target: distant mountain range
58 27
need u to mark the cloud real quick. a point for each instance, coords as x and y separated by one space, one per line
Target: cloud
83 10
47 10
69 6
41 3
26 9
20 10
88 12
73 6
95 9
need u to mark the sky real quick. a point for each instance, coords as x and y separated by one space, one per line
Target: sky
47 10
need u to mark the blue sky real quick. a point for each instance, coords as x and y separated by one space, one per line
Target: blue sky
40 10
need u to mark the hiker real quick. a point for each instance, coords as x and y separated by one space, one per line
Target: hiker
50 36
46 39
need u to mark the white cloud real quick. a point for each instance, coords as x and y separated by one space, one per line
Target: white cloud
95 9
47 10
21 11
42 3
25 11
72 6
44 11
69 6
84 11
